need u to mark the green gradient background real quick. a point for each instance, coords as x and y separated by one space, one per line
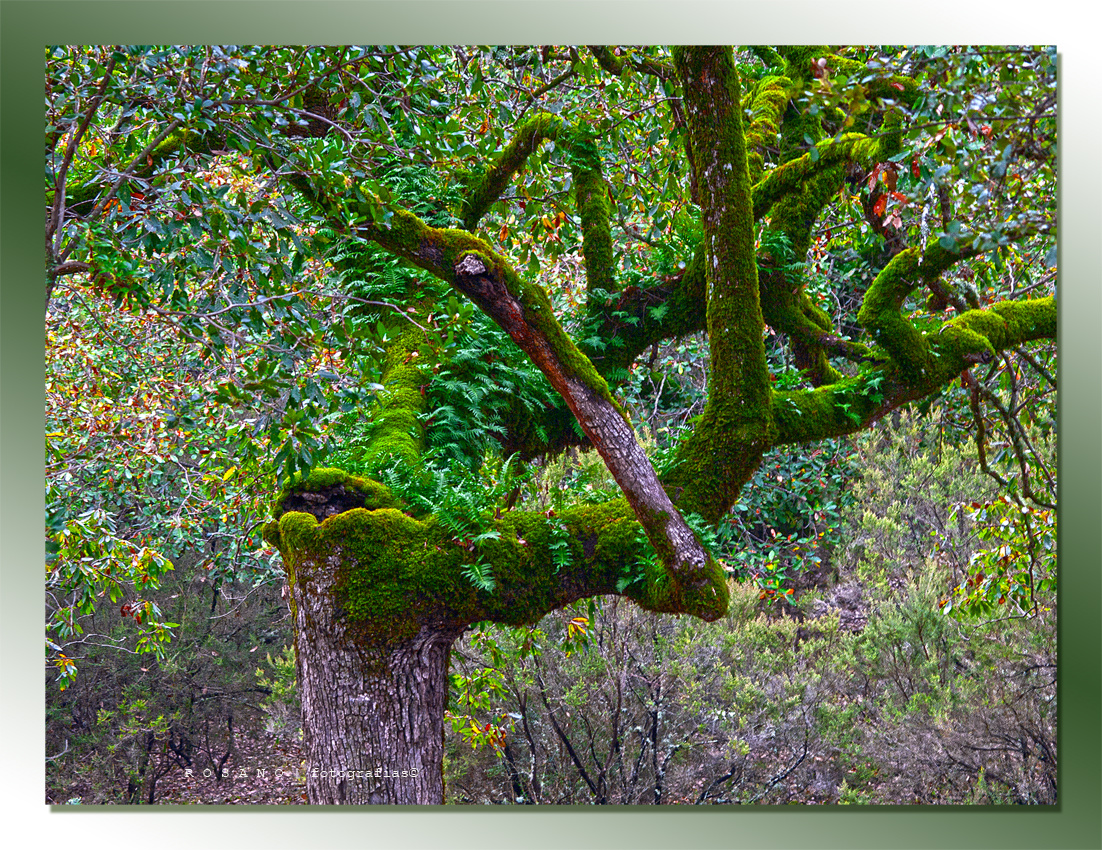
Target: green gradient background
27 26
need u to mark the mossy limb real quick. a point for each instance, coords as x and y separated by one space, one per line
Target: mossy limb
881 315
767 104
737 427
484 189
392 574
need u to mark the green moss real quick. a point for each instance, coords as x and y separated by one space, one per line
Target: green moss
798 59
728 440
767 104
719 456
297 530
1025 321
591 196
719 148
839 408
847 405
978 334
685 300
396 426
439 250
393 574
372 493
786 305
540 315
925 361
795 176
799 124
881 316
484 189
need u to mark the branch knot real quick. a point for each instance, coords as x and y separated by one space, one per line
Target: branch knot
471 266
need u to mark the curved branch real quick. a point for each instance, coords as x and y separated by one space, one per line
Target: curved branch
57 211
524 312
617 65
401 574
852 404
791 177
485 189
767 103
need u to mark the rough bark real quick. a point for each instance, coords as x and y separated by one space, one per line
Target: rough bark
374 729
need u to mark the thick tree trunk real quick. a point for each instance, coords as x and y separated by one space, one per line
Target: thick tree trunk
373 716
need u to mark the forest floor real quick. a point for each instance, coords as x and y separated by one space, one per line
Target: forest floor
264 771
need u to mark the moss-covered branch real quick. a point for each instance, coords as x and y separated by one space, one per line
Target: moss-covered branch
851 404
767 103
591 190
617 65
641 316
396 574
484 189
794 195
736 428
794 175
594 204
396 423
881 312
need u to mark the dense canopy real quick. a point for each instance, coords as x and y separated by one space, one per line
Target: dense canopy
411 276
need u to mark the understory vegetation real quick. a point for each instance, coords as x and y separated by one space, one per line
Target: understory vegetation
855 420
856 687
839 675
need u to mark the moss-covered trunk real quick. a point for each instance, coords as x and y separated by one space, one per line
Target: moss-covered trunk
373 712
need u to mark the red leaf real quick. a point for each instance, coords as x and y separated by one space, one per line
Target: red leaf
880 205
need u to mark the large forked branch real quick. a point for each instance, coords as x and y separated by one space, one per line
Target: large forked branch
727 443
912 363
524 311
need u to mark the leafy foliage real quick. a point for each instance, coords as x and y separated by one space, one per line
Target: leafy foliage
231 267
1016 571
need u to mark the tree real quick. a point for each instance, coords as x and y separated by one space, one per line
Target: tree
310 217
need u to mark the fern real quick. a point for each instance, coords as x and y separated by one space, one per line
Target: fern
559 545
778 244
464 501
480 575
486 382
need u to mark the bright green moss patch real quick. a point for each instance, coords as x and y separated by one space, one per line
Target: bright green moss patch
978 334
392 574
297 530
881 315
767 104
362 492
591 197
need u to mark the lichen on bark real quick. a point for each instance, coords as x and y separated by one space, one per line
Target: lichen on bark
736 428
